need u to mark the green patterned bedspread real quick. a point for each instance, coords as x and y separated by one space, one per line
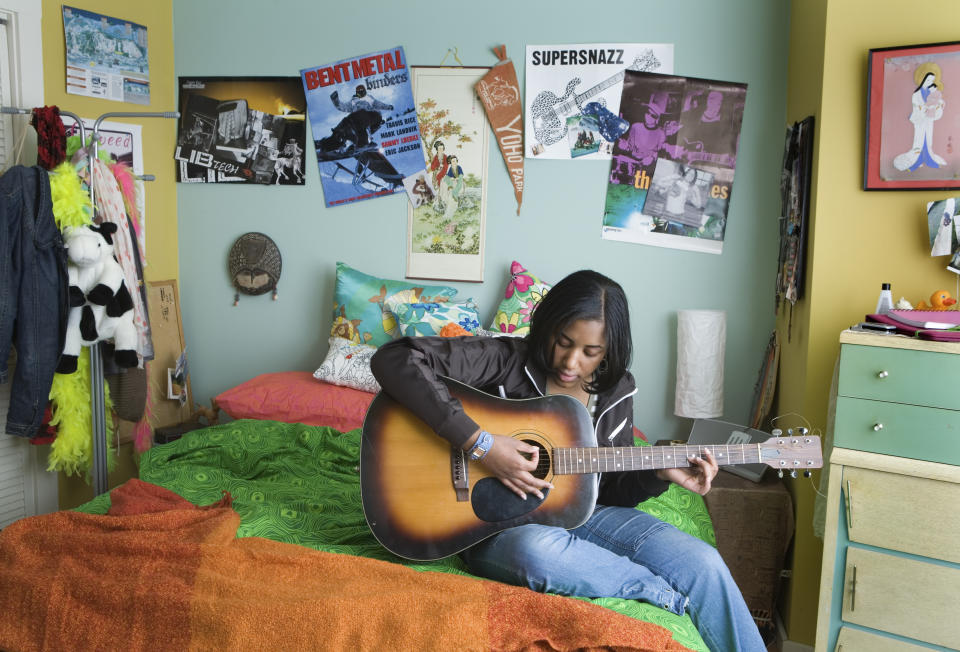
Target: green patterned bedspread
301 484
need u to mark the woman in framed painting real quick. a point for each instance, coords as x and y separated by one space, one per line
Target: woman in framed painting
927 102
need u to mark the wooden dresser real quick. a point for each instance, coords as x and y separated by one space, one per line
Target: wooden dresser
891 557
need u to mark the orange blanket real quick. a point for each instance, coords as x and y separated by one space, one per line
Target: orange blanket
179 579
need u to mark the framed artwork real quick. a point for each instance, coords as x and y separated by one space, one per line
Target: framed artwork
447 212
910 144
241 130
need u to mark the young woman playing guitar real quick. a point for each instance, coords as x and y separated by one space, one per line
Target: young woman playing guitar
580 345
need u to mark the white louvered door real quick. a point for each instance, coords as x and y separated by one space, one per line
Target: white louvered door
14 457
26 488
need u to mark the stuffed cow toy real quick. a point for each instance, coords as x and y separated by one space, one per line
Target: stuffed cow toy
100 304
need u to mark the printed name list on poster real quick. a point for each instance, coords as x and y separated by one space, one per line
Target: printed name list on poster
569 86
671 175
106 57
364 125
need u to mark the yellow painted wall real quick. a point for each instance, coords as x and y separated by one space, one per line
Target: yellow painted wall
858 239
158 140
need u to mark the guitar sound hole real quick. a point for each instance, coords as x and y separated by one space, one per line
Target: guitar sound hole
543 459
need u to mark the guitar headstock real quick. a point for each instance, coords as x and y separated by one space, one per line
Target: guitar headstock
792 454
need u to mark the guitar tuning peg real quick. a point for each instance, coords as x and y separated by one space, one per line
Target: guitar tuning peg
808 473
780 473
802 430
793 474
776 432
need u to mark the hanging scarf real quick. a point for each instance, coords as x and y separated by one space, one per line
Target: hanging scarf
71 451
110 208
51 136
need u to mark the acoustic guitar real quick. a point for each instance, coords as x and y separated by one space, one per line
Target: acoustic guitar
424 499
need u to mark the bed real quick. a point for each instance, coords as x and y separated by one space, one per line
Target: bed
251 535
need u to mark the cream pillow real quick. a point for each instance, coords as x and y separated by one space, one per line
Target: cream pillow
348 364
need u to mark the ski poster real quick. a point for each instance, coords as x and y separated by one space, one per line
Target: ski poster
106 57
565 81
671 173
364 125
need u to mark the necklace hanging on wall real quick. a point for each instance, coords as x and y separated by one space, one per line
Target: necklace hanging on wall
254 264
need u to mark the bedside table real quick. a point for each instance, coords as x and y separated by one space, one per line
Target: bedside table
753 524
891 552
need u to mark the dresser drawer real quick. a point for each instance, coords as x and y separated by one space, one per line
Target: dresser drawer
902 512
899 375
902 596
857 640
930 434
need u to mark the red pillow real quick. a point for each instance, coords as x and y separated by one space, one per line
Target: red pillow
296 397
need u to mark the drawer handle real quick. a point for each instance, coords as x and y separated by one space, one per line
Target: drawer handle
883 374
877 427
853 590
849 505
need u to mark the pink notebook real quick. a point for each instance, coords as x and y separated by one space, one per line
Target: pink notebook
938 319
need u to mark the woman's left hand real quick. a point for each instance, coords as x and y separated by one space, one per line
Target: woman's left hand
698 477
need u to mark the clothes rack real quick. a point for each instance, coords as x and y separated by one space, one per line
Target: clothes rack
98 471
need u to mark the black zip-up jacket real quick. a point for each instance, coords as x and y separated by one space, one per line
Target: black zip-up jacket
407 370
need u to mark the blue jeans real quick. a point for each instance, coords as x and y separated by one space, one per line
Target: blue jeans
33 294
625 553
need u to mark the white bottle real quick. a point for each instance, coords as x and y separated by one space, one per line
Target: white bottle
885 302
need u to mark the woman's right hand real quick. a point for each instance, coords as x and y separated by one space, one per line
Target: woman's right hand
512 461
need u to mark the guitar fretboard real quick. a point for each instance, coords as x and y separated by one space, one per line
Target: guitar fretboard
567 461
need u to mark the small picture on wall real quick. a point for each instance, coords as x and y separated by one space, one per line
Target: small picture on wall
911 140
943 226
241 130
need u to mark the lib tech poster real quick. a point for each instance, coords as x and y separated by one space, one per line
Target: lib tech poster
364 125
241 130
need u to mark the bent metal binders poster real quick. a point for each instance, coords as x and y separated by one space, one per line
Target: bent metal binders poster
364 125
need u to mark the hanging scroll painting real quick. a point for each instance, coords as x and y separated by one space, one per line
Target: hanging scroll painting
447 213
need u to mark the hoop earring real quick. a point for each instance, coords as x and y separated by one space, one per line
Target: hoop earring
602 367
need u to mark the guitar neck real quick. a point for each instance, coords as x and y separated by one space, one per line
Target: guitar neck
599 88
569 461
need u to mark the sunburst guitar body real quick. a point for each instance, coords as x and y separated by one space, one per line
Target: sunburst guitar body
425 500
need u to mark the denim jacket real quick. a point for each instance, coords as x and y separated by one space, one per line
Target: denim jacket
33 294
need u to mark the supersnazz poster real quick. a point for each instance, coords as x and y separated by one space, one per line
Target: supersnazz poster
671 174
573 95
364 125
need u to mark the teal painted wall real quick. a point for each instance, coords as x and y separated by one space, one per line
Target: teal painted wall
558 230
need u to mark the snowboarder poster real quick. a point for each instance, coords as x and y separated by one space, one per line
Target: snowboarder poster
364 125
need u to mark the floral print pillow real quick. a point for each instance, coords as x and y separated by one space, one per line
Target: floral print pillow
523 293
359 312
449 318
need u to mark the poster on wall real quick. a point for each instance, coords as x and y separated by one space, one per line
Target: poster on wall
671 173
364 125
124 142
241 130
584 82
446 220
106 57
911 119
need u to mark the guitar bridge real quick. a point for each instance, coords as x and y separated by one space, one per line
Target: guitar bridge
459 475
